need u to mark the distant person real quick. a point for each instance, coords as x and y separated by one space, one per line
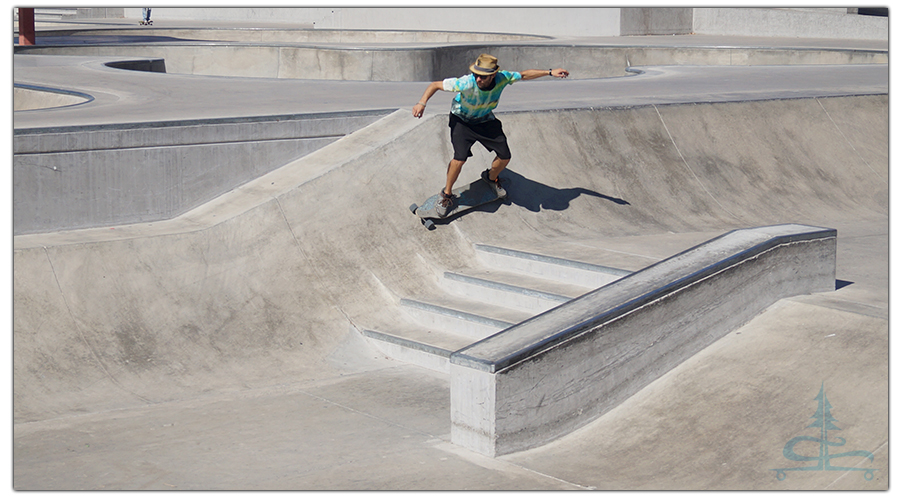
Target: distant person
146 15
472 119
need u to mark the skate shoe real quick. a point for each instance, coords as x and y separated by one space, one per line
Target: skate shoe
444 204
495 185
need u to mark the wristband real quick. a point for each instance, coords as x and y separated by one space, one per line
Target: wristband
422 103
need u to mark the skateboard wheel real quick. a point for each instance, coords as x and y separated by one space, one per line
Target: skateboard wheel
429 224
413 207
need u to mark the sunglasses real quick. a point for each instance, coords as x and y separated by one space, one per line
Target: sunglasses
483 77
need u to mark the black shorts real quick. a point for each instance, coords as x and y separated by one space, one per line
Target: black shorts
490 134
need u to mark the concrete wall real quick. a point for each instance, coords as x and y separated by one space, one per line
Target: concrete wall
433 63
560 22
776 22
544 378
657 21
77 177
800 23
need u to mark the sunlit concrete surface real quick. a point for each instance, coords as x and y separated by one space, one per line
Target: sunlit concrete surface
223 347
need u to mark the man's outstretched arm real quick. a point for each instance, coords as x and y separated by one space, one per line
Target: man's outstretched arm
433 87
531 74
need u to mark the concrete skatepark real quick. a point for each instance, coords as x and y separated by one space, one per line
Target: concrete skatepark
263 328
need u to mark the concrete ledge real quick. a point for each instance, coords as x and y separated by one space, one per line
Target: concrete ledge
544 378
80 177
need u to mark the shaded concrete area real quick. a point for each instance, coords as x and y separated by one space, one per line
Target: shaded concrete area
220 349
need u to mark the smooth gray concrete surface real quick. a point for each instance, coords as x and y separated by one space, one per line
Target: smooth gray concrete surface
219 349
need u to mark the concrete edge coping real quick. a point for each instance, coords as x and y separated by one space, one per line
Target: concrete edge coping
67 129
578 109
559 325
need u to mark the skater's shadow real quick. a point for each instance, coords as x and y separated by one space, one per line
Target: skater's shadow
533 196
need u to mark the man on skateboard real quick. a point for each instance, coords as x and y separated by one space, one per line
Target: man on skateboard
472 119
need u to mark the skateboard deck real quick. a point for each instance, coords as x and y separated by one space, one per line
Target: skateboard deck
472 195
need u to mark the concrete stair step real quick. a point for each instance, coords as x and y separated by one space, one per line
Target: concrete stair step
511 290
549 268
428 348
465 318
481 302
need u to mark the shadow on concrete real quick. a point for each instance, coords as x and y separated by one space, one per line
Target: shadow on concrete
533 196
838 284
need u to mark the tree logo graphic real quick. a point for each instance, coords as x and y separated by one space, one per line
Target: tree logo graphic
823 421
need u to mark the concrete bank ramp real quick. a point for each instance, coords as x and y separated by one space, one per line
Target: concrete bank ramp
266 284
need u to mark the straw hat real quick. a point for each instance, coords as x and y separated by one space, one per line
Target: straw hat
485 65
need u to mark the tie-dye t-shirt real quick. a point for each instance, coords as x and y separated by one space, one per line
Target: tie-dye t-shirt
473 104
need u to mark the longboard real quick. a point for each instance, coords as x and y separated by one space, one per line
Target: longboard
472 195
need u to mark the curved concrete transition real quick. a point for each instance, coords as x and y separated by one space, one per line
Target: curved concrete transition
301 330
28 97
